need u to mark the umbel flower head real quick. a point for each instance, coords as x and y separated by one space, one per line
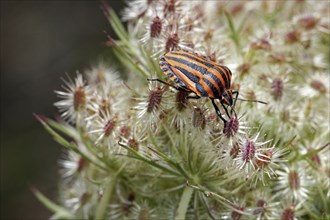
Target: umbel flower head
140 145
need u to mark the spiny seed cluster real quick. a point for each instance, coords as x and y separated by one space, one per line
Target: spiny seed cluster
141 149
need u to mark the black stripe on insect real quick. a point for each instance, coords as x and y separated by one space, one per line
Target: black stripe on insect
190 76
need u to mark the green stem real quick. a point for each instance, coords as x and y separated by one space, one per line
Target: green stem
104 203
234 33
184 203
323 199
102 207
59 211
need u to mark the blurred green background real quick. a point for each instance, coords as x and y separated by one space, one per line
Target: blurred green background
40 42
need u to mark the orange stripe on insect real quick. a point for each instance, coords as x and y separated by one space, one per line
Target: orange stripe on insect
193 73
217 92
207 87
177 61
222 84
190 84
226 79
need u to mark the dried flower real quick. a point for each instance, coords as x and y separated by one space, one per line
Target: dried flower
104 128
150 107
251 153
307 21
231 127
292 37
293 183
74 98
139 149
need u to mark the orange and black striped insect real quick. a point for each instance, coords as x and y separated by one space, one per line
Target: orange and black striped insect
196 74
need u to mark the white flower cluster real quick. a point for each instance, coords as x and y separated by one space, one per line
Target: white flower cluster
143 150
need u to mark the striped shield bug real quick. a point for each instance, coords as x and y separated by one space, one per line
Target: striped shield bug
196 74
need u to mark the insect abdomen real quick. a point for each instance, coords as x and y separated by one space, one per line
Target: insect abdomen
200 75
167 70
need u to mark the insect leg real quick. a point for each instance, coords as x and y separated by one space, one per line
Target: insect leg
193 97
161 81
179 88
236 95
166 83
225 109
218 112
233 110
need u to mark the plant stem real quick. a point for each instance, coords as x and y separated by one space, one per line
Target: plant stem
59 211
234 34
184 203
102 207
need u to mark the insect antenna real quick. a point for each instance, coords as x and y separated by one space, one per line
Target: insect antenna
265 103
